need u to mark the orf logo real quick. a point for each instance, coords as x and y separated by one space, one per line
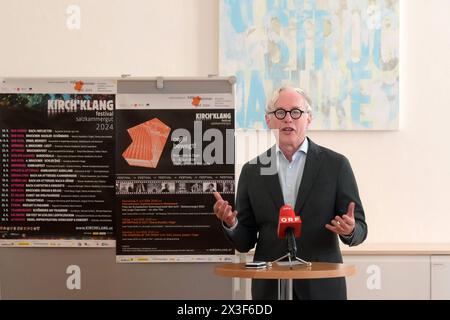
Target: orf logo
290 219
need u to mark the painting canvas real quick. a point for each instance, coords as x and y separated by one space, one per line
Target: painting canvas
343 53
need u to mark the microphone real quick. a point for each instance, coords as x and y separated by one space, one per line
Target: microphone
287 219
289 225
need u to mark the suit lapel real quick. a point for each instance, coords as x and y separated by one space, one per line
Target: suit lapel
272 181
312 166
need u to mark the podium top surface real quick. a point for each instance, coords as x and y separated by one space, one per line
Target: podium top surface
318 270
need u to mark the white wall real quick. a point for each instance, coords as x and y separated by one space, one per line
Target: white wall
138 37
403 175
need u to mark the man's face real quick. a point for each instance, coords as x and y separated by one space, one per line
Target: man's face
289 132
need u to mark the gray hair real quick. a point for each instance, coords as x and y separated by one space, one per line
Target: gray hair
271 104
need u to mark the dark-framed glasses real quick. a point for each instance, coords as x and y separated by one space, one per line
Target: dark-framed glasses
280 114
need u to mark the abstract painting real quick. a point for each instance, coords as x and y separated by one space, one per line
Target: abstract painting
343 53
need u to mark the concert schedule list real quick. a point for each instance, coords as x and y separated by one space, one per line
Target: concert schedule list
57 166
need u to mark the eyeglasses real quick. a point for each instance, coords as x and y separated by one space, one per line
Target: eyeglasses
295 113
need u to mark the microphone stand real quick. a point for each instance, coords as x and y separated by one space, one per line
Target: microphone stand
292 250
286 286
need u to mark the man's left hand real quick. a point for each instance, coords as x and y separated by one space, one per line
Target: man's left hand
344 225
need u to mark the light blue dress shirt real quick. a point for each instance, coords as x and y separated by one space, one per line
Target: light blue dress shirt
291 173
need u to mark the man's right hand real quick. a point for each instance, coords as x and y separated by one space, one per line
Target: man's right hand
224 211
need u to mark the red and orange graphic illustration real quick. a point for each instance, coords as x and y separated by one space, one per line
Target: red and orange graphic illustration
196 101
148 140
79 85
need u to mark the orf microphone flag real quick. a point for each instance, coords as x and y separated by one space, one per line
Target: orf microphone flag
288 219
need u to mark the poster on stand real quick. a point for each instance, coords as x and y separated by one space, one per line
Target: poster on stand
172 152
57 162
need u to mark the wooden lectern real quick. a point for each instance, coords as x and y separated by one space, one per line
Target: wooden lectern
285 275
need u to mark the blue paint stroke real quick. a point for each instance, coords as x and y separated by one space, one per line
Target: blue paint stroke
257 95
237 9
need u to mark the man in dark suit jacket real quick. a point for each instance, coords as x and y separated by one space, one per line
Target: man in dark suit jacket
322 189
